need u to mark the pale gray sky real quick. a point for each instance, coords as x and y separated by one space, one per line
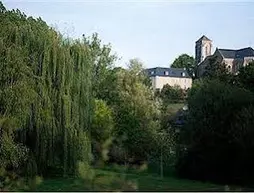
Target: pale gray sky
154 31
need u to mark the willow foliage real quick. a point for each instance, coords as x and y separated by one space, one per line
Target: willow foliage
45 88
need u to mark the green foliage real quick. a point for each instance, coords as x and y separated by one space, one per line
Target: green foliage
109 92
185 61
58 95
171 94
103 61
12 155
45 95
11 181
217 134
47 86
245 77
136 114
169 113
102 124
163 157
136 67
102 129
85 171
216 70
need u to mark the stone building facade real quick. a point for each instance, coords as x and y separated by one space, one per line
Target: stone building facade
172 76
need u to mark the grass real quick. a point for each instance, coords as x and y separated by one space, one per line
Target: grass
113 180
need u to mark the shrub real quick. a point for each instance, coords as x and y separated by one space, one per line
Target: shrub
171 94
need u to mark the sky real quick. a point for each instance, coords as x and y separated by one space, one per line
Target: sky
156 32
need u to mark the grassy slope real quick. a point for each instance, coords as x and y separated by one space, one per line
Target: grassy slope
107 180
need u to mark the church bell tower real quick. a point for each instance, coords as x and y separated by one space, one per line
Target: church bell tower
203 49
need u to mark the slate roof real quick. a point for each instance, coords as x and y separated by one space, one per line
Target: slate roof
172 72
241 53
203 38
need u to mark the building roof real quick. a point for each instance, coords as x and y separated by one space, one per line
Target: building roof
241 53
168 72
203 38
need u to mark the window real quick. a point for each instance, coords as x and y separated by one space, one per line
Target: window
183 74
166 72
206 51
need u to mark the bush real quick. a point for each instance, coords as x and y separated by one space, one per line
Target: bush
171 94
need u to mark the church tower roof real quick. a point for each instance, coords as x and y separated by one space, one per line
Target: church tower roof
203 38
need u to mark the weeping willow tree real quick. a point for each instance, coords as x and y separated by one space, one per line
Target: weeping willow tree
45 94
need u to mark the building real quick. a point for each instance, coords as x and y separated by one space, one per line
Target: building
203 48
172 76
233 59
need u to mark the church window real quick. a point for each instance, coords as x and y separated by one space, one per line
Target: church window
206 50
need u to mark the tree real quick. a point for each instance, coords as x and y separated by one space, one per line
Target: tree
102 62
136 67
45 94
136 115
102 130
2 8
216 70
245 77
185 61
217 132
171 94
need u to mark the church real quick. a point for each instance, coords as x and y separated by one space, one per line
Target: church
233 59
